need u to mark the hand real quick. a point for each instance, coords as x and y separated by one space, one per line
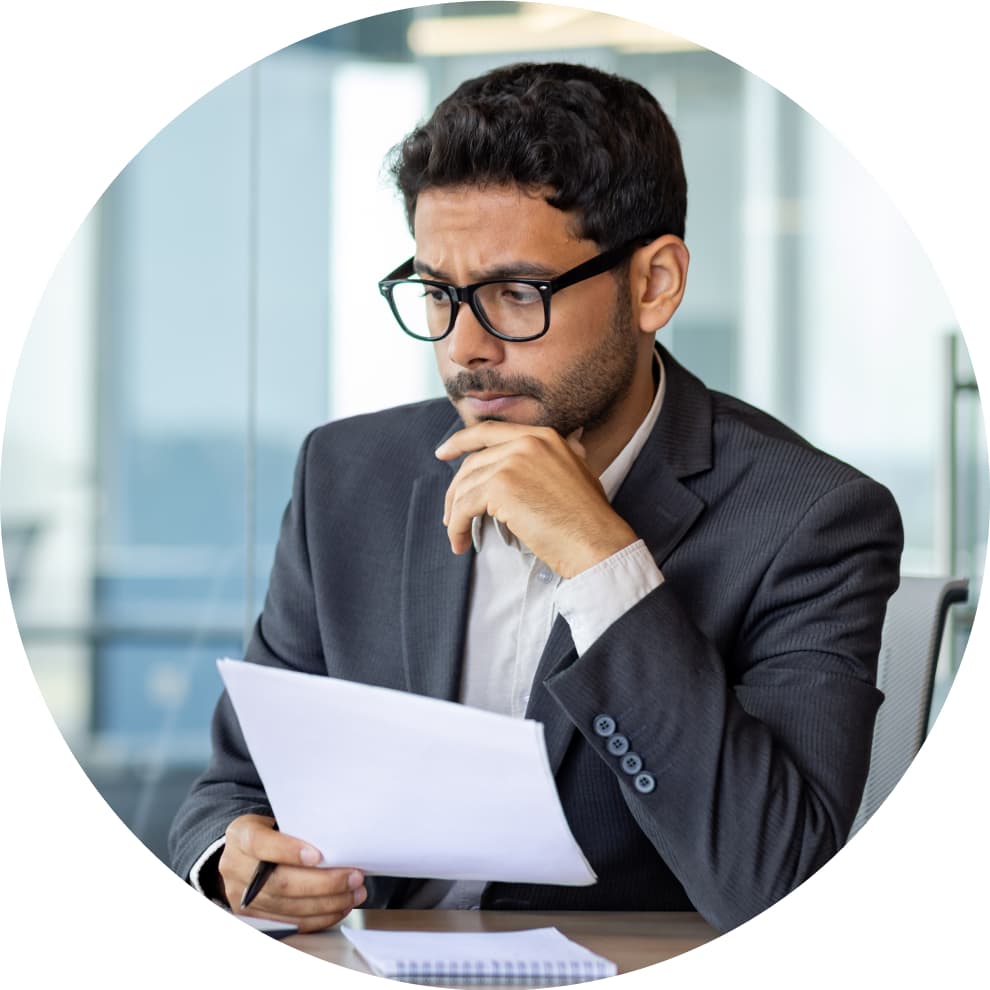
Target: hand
298 891
537 483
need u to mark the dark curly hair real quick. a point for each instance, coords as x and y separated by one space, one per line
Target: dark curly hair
600 142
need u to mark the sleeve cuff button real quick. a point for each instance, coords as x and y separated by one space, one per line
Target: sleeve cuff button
644 783
618 745
604 725
631 763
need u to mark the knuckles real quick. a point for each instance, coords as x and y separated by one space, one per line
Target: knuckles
244 831
534 444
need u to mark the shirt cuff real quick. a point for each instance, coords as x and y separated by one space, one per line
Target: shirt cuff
592 600
201 862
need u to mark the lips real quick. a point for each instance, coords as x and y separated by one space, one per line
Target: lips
490 403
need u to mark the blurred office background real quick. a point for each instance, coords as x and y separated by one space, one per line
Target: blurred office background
221 300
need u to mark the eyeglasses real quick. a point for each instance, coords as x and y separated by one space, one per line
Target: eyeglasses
516 309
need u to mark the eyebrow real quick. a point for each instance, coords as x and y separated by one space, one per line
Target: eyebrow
515 269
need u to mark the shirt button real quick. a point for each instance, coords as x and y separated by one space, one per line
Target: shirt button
644 783
618 745
545 575
631 763
604 725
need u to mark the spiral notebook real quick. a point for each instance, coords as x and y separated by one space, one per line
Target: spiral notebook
535 956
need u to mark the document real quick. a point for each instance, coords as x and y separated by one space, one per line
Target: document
535 954
401 785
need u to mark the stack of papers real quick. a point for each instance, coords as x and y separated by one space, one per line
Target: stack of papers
401 785
536 955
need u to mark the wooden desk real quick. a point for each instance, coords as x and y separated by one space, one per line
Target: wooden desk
632 939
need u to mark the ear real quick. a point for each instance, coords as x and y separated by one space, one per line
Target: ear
657 277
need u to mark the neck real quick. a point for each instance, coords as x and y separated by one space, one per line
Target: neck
603 444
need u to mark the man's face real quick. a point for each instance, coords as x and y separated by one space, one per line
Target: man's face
582 369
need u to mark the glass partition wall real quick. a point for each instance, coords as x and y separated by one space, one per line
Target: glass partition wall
221 301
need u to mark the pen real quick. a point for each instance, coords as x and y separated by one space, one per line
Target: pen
262 872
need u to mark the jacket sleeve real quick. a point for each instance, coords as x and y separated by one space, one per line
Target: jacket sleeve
756 757
286 635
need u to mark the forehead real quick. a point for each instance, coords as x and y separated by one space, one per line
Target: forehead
482 226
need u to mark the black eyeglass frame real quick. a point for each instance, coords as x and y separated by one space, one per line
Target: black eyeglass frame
465 293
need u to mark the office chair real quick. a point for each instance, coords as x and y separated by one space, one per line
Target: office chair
912 635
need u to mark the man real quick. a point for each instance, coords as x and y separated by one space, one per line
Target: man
687 594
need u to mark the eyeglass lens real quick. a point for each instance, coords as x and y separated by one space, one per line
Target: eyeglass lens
514 309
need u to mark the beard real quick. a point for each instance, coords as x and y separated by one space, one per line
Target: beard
584 394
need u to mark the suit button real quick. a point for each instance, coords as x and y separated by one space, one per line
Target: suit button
618 745
644 783
631 763
604 725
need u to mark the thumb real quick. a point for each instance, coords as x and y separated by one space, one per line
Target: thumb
573 441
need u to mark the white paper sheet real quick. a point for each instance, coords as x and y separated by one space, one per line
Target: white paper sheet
402 785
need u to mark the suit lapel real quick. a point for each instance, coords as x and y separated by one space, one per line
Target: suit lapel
653 499
658 507
435 590
557 727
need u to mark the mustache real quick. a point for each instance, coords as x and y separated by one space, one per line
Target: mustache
487 380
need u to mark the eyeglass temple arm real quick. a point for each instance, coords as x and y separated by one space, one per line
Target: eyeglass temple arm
404 270
600 263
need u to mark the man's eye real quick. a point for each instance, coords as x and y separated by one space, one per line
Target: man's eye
436 296
519 294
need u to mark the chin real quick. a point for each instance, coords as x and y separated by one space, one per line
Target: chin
520 411
472 419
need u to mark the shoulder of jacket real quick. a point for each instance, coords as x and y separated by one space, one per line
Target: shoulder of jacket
747 432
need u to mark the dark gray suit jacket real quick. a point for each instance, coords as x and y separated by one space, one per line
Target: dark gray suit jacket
745 682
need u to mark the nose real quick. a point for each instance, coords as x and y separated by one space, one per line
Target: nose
469 344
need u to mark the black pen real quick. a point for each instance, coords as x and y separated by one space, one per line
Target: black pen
262 872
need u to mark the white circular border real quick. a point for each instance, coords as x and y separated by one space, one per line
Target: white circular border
85 85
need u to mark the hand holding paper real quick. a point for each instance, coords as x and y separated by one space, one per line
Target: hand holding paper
402 785
311 899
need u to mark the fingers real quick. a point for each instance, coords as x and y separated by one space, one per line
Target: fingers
538 484
256 837
471 496
499 475
331 895
493 481
574 442
488 434
498 470
297 891
480 464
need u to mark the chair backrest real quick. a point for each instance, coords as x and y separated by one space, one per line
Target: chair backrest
912 635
